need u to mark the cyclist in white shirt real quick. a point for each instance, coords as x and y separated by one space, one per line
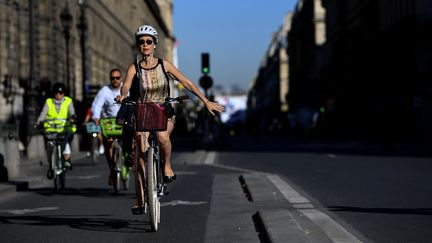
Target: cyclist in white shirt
104 106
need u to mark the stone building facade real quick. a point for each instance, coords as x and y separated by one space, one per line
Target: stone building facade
378 78
267 99
306 40
34 52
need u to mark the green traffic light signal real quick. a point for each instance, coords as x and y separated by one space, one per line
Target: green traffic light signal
205 63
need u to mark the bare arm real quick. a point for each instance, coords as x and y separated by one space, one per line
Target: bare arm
43 113
211 106
127 82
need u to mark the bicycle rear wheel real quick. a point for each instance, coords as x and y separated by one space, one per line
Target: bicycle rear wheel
118 159
152 190
94 150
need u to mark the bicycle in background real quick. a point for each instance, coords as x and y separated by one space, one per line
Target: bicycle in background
120 172
56 133
93 130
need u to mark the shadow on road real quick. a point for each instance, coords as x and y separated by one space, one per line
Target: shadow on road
296 145
84 192
409 211
84 222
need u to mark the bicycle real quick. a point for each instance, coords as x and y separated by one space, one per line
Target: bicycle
56 134
154 185
93 130
120 172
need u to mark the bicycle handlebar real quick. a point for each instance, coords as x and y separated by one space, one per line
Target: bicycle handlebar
178 99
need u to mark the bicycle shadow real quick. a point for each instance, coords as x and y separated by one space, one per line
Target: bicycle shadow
84 192
85 222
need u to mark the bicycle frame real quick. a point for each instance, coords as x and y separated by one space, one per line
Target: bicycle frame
154 186
57 163
152 183
114 132
93 130
55 142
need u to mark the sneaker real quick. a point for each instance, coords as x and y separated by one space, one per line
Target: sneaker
101 149
68 165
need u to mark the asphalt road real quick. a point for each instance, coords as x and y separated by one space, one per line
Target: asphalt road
243 191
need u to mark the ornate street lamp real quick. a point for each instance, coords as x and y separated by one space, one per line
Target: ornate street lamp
66 20
82 27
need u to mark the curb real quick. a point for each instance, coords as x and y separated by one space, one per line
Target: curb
279 226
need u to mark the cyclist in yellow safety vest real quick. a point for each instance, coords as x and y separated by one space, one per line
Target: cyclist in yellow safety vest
60 107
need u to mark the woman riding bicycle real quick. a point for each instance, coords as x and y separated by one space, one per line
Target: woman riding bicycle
59 107
154 86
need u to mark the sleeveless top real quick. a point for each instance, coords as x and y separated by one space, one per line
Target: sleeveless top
154 83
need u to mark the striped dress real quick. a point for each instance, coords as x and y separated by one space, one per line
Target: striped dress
154 83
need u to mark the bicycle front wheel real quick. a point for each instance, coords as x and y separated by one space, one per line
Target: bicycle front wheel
152 197
94 150
59 173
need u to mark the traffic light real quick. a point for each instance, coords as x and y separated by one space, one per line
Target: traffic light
205 63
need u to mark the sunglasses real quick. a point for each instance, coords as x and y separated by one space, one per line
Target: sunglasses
148 42
116 78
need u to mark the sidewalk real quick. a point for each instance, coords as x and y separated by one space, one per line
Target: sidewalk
32 174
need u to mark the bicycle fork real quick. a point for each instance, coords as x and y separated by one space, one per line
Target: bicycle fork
162 188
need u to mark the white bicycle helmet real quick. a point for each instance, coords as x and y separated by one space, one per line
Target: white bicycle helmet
147 30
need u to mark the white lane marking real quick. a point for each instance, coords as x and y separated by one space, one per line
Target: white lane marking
27 210
210 158
334 231
88 177
185 173
180 202
235 169
287 191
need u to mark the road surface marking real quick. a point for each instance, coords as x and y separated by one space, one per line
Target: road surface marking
287 191
186 172
210 158
236 169
180 202
27 210
335 232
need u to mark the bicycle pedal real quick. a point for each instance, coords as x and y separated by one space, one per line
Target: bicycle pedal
164 191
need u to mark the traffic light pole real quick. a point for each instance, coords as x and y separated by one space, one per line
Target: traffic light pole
206 82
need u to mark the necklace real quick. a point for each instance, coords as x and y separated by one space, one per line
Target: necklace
148 61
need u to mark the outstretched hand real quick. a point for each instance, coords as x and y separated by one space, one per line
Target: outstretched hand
213 106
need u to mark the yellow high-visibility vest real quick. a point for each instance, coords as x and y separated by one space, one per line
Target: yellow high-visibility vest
59 125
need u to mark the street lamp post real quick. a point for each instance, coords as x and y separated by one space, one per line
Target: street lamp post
66 20
82 26
30 91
